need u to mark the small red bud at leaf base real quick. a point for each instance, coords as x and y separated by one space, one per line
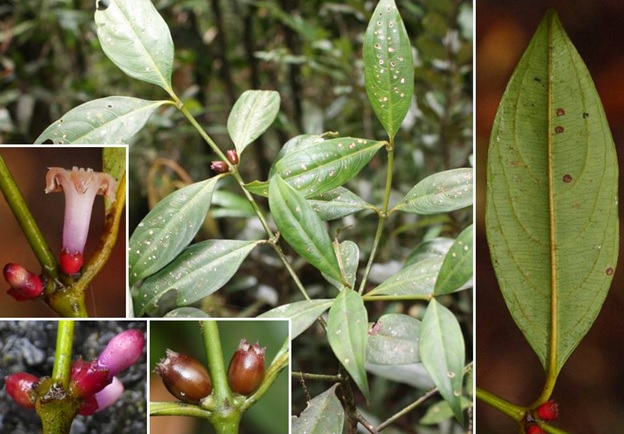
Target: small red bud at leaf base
20 387
232 156
88 378
246 368
71 263
548 411
184 377
219 166
24 284
122 351
535 429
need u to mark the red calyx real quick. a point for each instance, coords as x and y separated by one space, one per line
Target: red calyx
88 378
20 387
548 411
71 263
246 368
232 156
24 284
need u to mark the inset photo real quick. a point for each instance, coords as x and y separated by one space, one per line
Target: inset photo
83 376
63 231
225 376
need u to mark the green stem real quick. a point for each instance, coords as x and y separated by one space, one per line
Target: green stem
218 374
421 297
25 219
513 411
62 358
383 215
177 409
317 377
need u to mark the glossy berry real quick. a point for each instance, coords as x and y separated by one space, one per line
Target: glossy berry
71 263
232 156
535 429
548 410
20 387
219 166
184 377
246 368
24 284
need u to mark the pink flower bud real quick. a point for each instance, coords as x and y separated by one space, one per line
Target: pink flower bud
24 284
104 398
219 166
20 387
232 156
80 187
122 351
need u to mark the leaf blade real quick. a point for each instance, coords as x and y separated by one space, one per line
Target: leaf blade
324 414
251 115
457 267
301 313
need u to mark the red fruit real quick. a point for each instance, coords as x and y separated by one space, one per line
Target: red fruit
71 263
219 166
246 368
535 429
184 377
548 410
232 156
20 387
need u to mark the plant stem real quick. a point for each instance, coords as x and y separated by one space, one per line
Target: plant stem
25 219
383 215
177 409
216 366
62 358
317 377
513 411
422 297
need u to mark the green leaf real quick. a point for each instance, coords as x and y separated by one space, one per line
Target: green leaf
388 66
394 340
441 411
324 166
347 331
302 228
299 142
187 312
251 115
106 121
551 199
432 248
113 163
456 269
348 255
415 279
337 203
301 313
200 270
445 191
324 414
227 204
137 39
442 353
168 228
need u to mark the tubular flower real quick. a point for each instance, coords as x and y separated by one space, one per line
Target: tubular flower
24 284
80 187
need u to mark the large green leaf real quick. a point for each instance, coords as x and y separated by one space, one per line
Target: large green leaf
321 167
415 279
200 270
551 205
441 192
442 352
456 269
394 340
302 314
338 203
106 121
168 228
348 255
302 228
137 39
347 330
251 115
388 66
324 414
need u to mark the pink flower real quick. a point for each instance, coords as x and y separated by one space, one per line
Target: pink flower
80 187
123 351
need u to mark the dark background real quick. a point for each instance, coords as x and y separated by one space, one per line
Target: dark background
590 388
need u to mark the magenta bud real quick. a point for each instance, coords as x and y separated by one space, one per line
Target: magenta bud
20 387
88 378
104 398
232 156
219 166
122 351
24 284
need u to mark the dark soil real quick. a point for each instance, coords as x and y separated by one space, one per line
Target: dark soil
29 346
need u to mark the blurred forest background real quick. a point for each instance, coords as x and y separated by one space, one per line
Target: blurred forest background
590 385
